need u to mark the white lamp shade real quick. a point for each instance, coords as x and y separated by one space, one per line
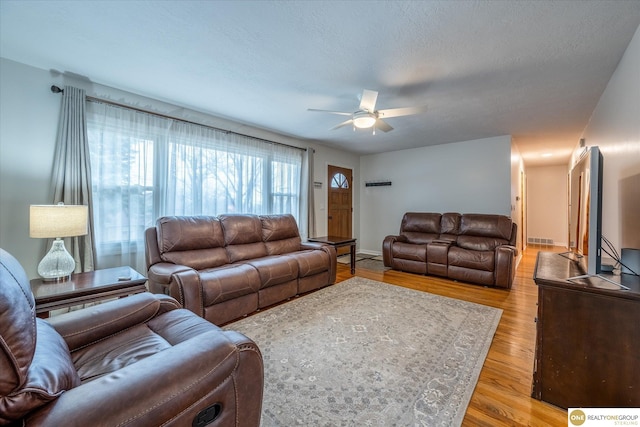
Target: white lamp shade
49 221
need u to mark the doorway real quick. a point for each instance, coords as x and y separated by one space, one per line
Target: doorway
340 195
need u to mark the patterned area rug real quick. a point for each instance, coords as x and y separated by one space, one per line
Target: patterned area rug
364 353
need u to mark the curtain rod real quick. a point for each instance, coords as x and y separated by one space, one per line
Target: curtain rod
56 89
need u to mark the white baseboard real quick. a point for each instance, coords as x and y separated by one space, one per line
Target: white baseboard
366 252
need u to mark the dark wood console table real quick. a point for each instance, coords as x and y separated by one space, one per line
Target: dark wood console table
338 242
87 287
588 337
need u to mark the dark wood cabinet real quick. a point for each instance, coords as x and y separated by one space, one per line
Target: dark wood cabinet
588 337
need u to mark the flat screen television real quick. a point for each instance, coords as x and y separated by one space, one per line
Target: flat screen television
585 211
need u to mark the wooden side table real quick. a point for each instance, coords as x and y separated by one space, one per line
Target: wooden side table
88 287
338 242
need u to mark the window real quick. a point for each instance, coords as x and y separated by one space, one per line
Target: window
339 181
145 166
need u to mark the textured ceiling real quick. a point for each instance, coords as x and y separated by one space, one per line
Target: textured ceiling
531 69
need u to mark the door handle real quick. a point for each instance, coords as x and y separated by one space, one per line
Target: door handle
330 217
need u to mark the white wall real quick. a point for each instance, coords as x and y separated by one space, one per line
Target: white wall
547 203
28 125
518 194
29 114
466 177
615 127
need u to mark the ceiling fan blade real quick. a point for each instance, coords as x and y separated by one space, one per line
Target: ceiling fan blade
330 112
345 123
397 112
383 126
368 101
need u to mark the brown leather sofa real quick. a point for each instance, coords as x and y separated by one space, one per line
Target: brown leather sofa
135 361
475 248
225 267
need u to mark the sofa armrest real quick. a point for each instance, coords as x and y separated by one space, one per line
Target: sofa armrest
311 245
333 256
387 244
217 367
186 287
83 327
167 303
505 268
151 252
159 276
331 251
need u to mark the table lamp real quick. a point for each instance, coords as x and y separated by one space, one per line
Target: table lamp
57 221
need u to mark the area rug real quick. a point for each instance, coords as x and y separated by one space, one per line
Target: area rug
346 258
365 353
370 262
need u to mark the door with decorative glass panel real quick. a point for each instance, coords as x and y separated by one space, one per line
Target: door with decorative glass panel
340 207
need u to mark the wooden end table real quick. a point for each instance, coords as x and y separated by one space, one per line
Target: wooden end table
83 288
338 242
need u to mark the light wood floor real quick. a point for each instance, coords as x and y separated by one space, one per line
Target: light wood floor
503 394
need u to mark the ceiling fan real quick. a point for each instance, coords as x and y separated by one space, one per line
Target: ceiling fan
368 117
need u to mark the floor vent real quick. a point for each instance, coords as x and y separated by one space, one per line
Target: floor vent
539 241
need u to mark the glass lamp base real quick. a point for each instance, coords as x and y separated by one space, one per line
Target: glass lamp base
58 264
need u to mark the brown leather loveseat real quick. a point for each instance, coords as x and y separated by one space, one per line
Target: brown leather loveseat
136 361
475 248
225 267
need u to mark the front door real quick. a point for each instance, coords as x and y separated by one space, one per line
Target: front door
340 208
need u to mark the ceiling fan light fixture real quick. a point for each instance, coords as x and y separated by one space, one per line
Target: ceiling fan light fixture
364 120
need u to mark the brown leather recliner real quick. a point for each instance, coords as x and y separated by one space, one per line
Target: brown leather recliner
136 361
475 248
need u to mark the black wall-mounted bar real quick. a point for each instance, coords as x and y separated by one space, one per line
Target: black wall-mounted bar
377 183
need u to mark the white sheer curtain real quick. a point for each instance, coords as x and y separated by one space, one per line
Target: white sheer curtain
145 166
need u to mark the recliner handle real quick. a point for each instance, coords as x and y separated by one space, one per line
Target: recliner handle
207 415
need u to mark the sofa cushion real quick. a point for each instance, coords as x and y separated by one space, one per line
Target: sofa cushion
284 246
484 232
409 251
475 243
241 229
177 326
471 275
278 227
228 282
120 350
197 259
35 364
243 237
50 373
280 234
450 226
311 262
17 319
188 233
420 227
276 269
473 259
497 226
196 242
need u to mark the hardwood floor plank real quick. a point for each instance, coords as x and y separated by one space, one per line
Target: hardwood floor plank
503 394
